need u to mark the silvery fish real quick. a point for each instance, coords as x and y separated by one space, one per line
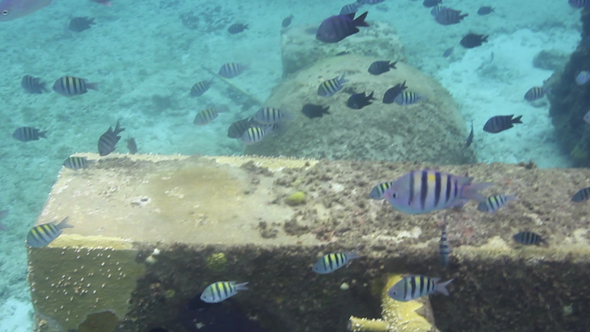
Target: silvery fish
494 203
13 9
42 235
221 290
77 163
330 87
256 134
336 28
378 191
332 262
413 287
528 238
430 190
271 115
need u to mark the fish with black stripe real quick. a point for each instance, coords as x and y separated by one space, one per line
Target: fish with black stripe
237 129
494 203
448 16
33 85
415 286
108 141
77 163
256 134
378 190
237 28
535 93
528 238
408 98
351 8
221 290
500 123
444 249
430 190
582 195
41 235
332 262
201 87
271 115
231 69
380 67
330 87
205 116
26 134
73 86
392 93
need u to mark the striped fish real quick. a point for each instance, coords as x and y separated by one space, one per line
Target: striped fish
430 190
528 238
206 116
332 262
73 86
33 85
436 9
231 69
500 123
108 141
26 134
448 16
494 203
415 286
42 235
221 290
392 93
270 115
444 249
582 195
238 128
407 98
201 87
534 93
351 8
330 87
378 190
256 134
77 163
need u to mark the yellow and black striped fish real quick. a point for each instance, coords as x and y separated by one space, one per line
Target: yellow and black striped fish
408 98
493 203
42 235
444 247
33 84
231 69
77 163
528 238
221 290
330 87
415 286
206 116
270 115
256 134
73 86
331 262
582 195
201 87
379 190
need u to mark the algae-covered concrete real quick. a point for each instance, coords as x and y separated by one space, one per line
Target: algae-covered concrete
430 131
173 225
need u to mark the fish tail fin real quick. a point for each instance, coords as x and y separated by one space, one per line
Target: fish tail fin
360 21
118 128
241 286
517 119
92 86
470 191
64 224
463 16
442 287
510 198
43 134
343 79
352 255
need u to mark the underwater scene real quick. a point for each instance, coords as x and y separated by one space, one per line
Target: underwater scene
378 166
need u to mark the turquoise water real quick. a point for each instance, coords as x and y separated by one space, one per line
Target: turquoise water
145 62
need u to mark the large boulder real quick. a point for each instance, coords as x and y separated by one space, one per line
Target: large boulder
432 130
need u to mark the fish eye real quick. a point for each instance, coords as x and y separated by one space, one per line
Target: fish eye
5 12
394 195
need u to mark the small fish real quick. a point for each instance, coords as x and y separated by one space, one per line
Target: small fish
470 137
132 145
494 203
256 134
232 69
582 195
221 290
447 53
444 249
407 98
72 86
587 117
314 111
103 2
330 87
42 235
431 3
287 21
77 163
583 77
26 134
237 28
359 100
429 190
332 262
108 141
79 24
392 93
271 115
472 40
485 10
500 123
205 117
33 85
380 67
351 8
237 129
448 16
534 93
13 9
201 87
3 215
528 238
437 9
336 28
579 3
378 190
415 286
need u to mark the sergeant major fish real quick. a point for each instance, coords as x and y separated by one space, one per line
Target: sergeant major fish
13 9
494 203
231 69
378 191
271 115
380 67
336 28
42 235
359 100
108 141
256 134
500 123
415 286
582 195
332 262
73 86
26 134
444 249
448 16
528 238
221 290
76 163
33 85
330 87
392 93
430 190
